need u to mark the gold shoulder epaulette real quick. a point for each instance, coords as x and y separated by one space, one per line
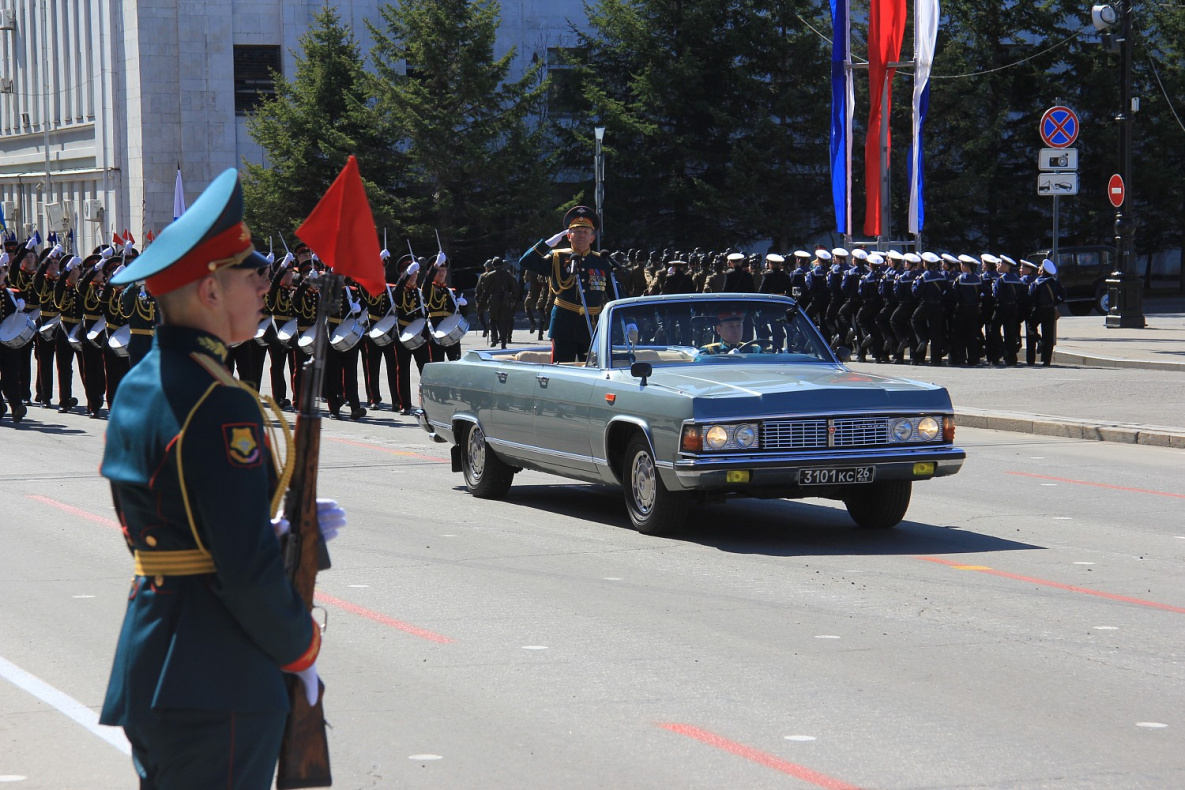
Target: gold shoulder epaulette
216 370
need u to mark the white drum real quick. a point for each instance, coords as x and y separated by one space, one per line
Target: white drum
261 331
412 335
384 330
119 340
74 336
287 333
17 330
95 334
449 330
307 338
348 333
48 328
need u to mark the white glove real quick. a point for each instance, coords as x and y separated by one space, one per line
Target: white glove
355 307
312 683
271 258
127 247
557 238
441 258
72 263
461 301
30 244
57 250
20 304
413 267
313 276
385 254
118 269
670 271
98 267
288 259
4 259
143 293
107 252
331 518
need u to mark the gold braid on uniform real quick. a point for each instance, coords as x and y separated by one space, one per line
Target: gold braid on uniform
285 473
438 305
558 283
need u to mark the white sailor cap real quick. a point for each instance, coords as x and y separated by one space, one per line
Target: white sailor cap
989 259
928 257
859 254
803 254
822 255
946 256
733 257
773 257
1007 260
1027 264
965 258
894 256
876 259
840 252
1049 266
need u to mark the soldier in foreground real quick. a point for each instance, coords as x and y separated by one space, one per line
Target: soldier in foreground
212 620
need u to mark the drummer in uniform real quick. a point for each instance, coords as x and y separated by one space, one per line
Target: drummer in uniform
69 305
278 304
21 268
46 342
114 366
304 307
90 295
10 376
138 308
341 367
577 278
379 306
441 304
409 311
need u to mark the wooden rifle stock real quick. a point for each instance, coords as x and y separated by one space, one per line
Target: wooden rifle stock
304 751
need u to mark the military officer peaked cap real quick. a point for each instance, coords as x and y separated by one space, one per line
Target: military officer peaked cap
581 217
210 236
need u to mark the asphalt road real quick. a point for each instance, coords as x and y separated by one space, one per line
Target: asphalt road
1022 629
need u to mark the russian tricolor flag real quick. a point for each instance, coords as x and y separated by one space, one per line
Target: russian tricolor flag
926 13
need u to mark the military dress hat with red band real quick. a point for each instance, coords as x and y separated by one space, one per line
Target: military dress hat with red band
209 236
581 217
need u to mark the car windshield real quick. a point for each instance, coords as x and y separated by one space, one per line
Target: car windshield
716 331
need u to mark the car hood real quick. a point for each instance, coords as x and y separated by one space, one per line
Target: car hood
733 390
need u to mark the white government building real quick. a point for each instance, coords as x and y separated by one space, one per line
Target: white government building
103 99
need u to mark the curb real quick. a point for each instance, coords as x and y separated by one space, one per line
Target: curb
1094 361
1092 430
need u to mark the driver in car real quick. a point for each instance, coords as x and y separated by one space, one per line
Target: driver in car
730 326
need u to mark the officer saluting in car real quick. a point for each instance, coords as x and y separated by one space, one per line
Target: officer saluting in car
578 279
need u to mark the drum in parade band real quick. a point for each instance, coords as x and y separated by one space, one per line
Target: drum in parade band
287 333
74 336
49 327
261 331
95 334
17 330
307 339
119 339
384 330
412 335
449 330
348 333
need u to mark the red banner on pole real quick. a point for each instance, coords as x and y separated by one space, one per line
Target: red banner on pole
886 30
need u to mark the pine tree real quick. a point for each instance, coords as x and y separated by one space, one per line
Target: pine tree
471 158
310 128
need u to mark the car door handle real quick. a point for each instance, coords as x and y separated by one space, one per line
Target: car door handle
501 377
542 380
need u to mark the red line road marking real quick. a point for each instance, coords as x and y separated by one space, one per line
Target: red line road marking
1098 485
321 597
354 608
106 522
757 756
382 449
1055 585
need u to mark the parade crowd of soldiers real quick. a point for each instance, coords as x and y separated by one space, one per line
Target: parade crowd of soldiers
885 307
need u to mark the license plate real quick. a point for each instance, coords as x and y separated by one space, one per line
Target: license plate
841 476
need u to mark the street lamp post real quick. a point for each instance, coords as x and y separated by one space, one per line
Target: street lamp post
599 172
1125 288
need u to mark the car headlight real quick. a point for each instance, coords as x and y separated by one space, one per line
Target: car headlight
745 436
716 438
901 430
928 429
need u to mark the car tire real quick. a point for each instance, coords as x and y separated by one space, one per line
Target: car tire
1102 298
486 475
1080 308
653 509
879 505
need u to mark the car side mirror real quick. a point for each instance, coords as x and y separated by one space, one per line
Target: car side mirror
844 353
643 370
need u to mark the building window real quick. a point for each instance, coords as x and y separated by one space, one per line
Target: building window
254 66
564 92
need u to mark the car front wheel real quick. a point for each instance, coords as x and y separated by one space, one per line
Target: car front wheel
653 509
486 475
879 505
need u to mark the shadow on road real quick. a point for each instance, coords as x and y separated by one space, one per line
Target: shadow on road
777 528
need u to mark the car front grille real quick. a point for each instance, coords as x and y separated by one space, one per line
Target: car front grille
813 434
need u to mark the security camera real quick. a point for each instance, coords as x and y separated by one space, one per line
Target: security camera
1104 17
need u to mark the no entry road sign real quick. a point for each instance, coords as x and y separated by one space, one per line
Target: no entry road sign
1116 191
1059 127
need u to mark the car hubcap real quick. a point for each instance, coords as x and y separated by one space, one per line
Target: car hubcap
477 452
642 483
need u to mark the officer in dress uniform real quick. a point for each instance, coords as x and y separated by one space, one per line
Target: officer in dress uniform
577 278
730 327
1046 293
212 621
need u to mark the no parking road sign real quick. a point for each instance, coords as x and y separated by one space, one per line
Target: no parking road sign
1059 127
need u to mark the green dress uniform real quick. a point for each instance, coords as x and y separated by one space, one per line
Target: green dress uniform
568 329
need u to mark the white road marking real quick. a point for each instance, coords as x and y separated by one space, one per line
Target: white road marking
800 738
826 636
1106 628
611 578
359 586
84 596
1049 485
63 704
1151 725
1083 563
448 536
534 647
1037 457
13 778
1063 518
425 757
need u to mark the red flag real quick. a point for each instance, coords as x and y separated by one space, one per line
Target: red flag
886 29
341 231
149 237
127 236
116 241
